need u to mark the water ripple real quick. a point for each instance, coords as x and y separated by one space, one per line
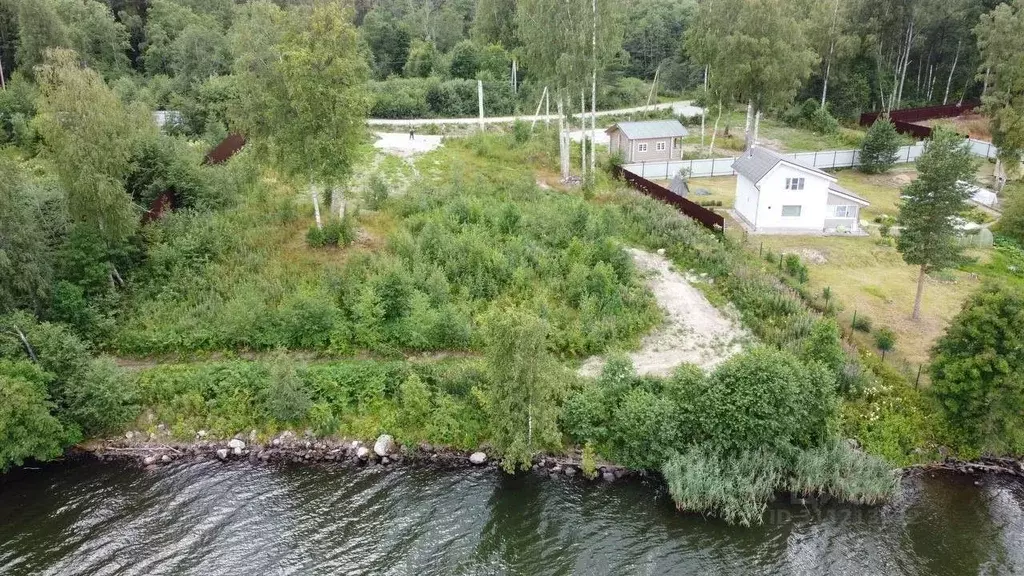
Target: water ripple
214 518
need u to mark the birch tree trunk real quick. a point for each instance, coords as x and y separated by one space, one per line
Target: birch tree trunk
315 194
831 51
704 108
984 87
714 132
828 69
748 126
906 61
757 125
920 291
3 83
949 79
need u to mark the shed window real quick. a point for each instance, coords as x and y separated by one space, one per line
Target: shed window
791 211
794 183
660 146
641 147
845 211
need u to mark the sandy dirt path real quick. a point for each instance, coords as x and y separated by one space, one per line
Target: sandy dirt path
694 332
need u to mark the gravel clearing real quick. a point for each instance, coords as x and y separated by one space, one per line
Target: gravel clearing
400 144
694 332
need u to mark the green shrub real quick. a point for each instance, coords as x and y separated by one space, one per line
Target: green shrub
416 408
28 430
588 461
287 399
339 232
795 268
861 323
315 237
885 340
643 429
377 193
880 147
102 400
976 372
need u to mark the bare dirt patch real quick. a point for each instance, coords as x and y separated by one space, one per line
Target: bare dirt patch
695 332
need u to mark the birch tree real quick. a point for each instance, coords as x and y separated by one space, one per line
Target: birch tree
312 98
763 57
92 135
522 395
999 38
566 44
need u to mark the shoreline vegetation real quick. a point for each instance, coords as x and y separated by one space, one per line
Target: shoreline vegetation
520 283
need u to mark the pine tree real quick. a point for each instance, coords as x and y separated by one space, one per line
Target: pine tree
880 147
927 217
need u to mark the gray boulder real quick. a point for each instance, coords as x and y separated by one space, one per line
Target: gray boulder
477 458
384 445
362 452
236 446
222 454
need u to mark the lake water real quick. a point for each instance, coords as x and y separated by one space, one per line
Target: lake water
213 518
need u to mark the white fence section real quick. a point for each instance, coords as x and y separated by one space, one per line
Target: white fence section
983 149
825 159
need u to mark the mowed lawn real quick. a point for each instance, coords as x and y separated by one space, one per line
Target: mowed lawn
872 279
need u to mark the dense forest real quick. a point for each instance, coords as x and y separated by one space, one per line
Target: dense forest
448 300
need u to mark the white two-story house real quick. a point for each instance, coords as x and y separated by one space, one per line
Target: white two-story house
775 193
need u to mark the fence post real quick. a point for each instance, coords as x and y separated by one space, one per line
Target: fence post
854 323
815 161
917 382
908 154
760 251
834 152
666 169
712 166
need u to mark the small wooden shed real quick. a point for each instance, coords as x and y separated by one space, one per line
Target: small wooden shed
648 141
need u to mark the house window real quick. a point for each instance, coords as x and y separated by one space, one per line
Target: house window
845 211
660 146
794 183
641 147
791 211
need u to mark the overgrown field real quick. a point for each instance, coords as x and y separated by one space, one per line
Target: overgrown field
424 267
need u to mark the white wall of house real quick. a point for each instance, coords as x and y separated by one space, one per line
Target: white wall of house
780 208
746 199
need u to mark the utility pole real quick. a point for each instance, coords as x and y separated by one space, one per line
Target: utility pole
515 89
593 86
547 107
583 133
480 98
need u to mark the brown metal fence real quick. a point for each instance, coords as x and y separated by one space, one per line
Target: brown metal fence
225 150
708 218
905 119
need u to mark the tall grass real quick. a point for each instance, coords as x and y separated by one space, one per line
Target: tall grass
735 488
837 471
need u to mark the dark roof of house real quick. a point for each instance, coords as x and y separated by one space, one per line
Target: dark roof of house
650 129
757 162
834 187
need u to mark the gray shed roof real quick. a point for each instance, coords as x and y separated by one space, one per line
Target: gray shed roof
834 187
757 162
650 129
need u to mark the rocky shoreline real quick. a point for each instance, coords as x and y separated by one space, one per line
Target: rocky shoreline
289 447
